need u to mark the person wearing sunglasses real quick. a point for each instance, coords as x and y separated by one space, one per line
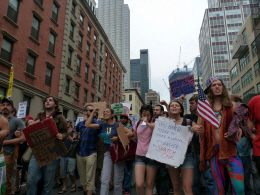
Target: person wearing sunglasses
87 151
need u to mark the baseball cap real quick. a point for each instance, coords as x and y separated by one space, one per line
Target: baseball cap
209 82
125 115
30 117
8 100
69 120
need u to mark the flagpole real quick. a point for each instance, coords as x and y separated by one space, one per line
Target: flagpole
199 122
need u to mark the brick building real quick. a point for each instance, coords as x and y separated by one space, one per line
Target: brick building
57 48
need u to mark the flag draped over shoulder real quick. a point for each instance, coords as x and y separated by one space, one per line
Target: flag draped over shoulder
204 109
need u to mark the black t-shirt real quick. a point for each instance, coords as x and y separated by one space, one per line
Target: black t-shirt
195 139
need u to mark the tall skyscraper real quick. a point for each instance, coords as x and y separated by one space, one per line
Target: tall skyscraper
114 16
221 23
140 73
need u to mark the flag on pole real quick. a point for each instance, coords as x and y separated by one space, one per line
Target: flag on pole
204 109
10 87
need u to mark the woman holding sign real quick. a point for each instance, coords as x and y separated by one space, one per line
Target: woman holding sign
176 112
108 129
143 130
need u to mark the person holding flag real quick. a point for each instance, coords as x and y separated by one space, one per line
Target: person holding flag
216 146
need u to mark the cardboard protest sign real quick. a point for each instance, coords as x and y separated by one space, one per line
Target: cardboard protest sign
101 105
79 119
181 86
22 110
127 107
41 137
118 109
134 119
169 142
122 135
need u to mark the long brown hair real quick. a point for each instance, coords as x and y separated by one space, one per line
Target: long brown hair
224 97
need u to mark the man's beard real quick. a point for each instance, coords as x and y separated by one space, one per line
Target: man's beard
6 112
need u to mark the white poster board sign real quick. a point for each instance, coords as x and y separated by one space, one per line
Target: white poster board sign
169 142
79 119
22 110
134 118
127 107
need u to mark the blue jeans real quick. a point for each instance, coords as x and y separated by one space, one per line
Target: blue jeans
128 176
247 166
35 173
206 175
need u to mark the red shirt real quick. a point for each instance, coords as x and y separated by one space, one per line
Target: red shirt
254 106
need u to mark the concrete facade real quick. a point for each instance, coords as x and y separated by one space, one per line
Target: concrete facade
244 67
132 96
114 16
69 61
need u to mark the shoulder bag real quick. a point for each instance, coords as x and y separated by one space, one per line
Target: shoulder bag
74 146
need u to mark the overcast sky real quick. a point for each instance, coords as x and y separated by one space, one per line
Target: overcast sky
162 26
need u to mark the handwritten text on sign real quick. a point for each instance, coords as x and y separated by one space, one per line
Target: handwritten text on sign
181 86
169 143
22 110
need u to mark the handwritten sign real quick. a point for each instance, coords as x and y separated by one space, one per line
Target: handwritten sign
101 105
22 110
118 109
41 137
127 107
122 136
134 119
169 143
181 86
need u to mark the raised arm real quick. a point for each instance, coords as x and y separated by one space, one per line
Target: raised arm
163 102
90 118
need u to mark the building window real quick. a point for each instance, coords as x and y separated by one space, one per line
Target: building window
85 96
55 12
113 96
2 91
6 50
92 97
110 75
75 117
28 100
130 97
52 43
95 39
65 113
244 37
100 63
86 73
73 8
110 61
69 57
114 66
88 49
113 80
80 41
35 28
106 54
250 91
119 87
234 72
106 71
101 46
48 76
244 60
81 19
255 46
40 1
12 11
30 64
247 78
93 78
67 88
236 88
78 65
71 30
89 30
256 66
116 83
77 91
94 57
109 91
105 89
99 83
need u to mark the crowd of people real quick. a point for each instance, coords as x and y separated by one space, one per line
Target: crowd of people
220 159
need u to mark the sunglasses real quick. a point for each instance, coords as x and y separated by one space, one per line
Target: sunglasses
90 110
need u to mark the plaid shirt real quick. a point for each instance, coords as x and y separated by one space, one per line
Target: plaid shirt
88 144
239 120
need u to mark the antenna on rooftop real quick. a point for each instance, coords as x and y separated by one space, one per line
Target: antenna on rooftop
179 59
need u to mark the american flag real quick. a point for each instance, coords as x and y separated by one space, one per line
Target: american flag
204 109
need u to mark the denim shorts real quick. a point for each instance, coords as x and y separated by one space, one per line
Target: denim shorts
187 164
142 160
67 165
